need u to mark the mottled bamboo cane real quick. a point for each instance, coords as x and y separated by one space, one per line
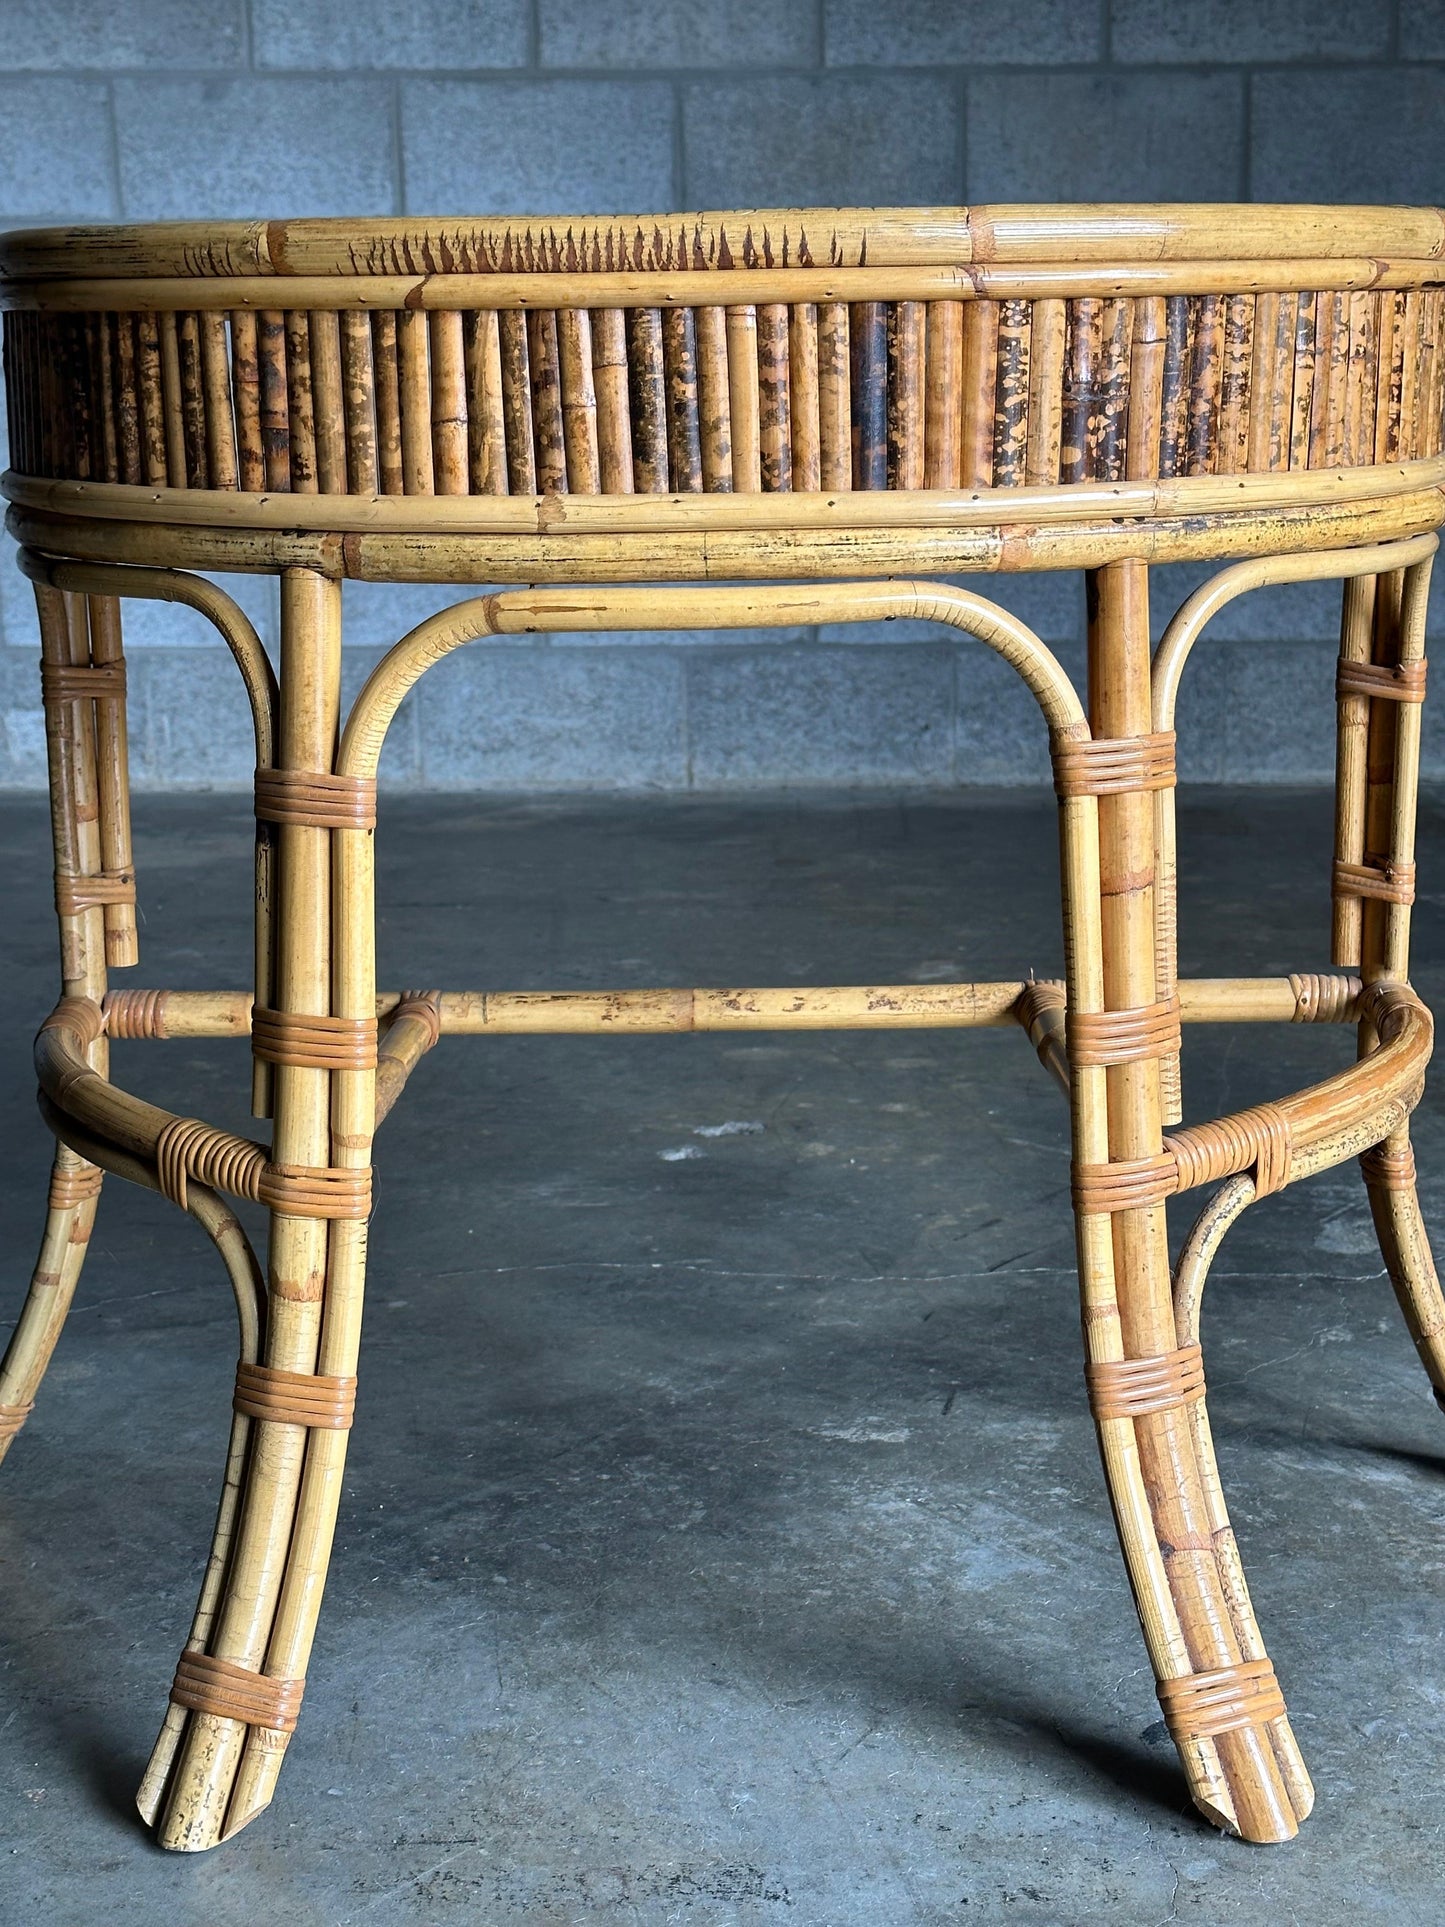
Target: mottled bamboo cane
1048 350
1389 377
775 444
109 444
1303 385
868 383
648 387
391 472
517 405
195 465
684 428
220 418
328 402
906 329
112 759
803 398
1081 388
363 476
128 434
486 430
275 412
152 402
418 471
835 405
173 425
1232 456
1011 399
1206 378
1178 357
246 394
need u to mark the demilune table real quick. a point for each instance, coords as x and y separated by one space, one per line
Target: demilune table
775 417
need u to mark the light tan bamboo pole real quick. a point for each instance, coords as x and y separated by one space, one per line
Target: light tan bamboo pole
70 1210
246 400
358 382
386 369
803 399
352 1122
579 401
414 401
835 408
1235 1775
220 417
486 431
194 1814
713 400
614 418
113 782
744 405
328 403
943 405
448 404
1351 734
1380 738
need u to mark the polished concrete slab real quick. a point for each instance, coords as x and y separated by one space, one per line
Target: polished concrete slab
723 1537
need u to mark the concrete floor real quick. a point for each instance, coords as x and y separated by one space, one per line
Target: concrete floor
724 1539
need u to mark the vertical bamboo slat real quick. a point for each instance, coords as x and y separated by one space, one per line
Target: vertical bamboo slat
517 404
1234 395
775 428
275 413
868 378
906 324
943 396
1108 431
486 432
715 430
220 421
413 359
551 442
300 404
359 401
386 375
110 452
1048 347
1081 387
448 403
1326 431
172 403
152 401
246 399
1011 400
1206 377
1146 389
328 402
803 398
1178 357
744 401
684 427
193 401
127 401
835 403
647 382
1389 376
614 416
980 392
579 401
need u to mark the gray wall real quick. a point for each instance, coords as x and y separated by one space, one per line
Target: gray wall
159 108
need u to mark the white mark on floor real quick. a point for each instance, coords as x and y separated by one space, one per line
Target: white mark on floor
734 1127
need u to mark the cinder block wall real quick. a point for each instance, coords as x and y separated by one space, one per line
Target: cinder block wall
148 109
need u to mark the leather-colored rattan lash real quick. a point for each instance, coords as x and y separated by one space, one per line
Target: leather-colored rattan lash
1135 1387
314 799
295 1398
228 1691
1111 766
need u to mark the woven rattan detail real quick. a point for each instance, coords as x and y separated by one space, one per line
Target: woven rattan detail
314 1043
77 682
1259 1137
70 1187
1396 682
1133 1387
135 1013
1125 1184
82 1016
1203 1704
295 1398
1387 1170
188 1148
231 1692
315 801
12 1417
1112 765
1123 1036
1323 997
1378 877
74 892
313 1191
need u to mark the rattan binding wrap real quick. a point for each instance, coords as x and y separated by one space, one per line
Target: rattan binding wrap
1379 878
1387 1170
12 1417
1259 1137
1398 682
77 682
1124 1184
1323 996
1109 765
315 1043
295 1398
75 892
1123 1036
315 801
231 1692
1133 1387
1200 1705
135 1013
71 1185
315 1191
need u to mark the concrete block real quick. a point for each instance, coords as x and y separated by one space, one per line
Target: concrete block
1002 737
551 147
786 718
144 33
22 722
1422 29
55 150
636 35
447 34
190 723
242 147
778 143
1372 134
1243 30
1115 137
501 718
1290 612
927 33
1259 685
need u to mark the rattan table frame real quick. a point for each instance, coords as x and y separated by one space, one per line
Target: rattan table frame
764 418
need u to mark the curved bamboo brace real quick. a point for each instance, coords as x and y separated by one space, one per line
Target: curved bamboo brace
1175 646
527 611
226 616
1198 1251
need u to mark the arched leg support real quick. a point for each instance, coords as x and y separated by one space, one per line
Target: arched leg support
69 1219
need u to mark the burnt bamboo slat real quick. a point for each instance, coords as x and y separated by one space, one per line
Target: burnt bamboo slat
777 419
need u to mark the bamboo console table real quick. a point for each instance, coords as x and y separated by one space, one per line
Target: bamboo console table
774 417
